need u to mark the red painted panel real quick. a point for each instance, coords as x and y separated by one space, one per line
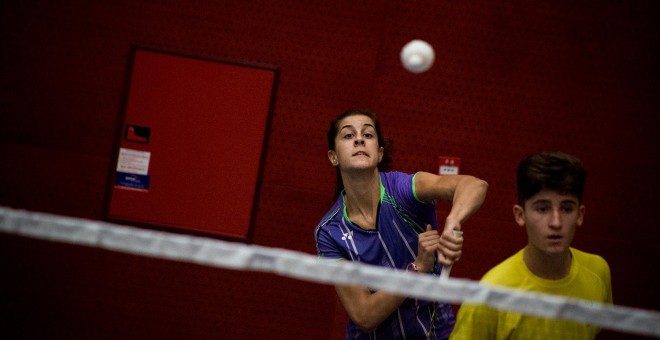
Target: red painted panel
207 122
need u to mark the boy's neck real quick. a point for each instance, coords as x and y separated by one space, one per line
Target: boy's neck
548 266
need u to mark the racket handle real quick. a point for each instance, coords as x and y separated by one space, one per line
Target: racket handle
444 274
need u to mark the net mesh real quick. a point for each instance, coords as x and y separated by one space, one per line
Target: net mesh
481 308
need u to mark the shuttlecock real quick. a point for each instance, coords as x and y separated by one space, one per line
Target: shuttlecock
417 56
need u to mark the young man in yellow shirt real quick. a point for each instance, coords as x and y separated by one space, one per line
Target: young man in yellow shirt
550 188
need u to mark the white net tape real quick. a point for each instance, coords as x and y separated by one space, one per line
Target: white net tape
238 256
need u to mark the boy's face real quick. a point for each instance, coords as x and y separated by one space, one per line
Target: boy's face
551 219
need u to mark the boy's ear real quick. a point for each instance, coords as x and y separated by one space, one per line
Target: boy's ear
580 218
519 215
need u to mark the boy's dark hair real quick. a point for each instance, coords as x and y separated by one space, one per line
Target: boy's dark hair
385 163
555 171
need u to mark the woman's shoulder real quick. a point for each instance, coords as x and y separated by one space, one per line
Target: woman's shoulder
332 214
393 177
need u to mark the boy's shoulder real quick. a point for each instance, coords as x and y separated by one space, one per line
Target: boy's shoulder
506 273
587 258
592 262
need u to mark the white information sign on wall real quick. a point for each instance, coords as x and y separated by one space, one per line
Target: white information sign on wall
133 161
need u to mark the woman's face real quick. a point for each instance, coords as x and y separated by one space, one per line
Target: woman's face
356 144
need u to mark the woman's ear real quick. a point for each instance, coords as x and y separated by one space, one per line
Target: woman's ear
381 152
332 156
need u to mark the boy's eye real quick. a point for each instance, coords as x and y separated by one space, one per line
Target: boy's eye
542 208
567 209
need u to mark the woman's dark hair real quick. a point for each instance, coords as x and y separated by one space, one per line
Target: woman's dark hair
385 163
555 171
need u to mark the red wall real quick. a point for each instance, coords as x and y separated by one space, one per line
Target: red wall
509 79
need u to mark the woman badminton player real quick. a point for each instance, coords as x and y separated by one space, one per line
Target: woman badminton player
388 219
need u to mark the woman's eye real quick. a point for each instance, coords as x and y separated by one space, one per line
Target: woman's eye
348 135
368 135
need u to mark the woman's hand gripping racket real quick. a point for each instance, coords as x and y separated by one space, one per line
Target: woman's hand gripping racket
444 274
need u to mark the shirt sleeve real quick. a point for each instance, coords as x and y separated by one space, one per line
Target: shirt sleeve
607 280
326 246
412 209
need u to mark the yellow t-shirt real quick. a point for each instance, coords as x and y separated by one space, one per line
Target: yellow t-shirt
589 278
